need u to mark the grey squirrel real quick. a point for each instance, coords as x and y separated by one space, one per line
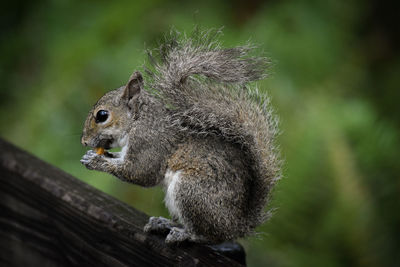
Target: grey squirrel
194 126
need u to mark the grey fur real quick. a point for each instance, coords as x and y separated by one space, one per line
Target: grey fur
202 120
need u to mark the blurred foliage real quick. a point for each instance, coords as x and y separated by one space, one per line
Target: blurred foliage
334 84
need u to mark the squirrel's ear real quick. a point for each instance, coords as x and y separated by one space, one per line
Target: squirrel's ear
132 89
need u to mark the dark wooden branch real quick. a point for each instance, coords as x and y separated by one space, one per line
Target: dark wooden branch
49 218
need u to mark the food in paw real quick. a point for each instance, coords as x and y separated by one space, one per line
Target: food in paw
99 150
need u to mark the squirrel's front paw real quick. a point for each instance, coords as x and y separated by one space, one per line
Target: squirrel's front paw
93 161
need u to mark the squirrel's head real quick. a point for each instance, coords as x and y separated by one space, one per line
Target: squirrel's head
109 121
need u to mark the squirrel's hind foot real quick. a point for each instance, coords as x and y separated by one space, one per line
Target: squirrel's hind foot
180 235
176 234
159 225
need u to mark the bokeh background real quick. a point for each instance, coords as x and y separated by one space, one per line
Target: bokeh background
334 83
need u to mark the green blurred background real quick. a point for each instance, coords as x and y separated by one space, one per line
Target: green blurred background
334 84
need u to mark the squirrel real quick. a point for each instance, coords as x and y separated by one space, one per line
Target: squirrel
195 126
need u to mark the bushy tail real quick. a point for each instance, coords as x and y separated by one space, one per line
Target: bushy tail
179 58
208 91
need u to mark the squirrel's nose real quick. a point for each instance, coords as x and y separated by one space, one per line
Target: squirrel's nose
83 141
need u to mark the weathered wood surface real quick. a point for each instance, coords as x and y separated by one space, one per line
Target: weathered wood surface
49 218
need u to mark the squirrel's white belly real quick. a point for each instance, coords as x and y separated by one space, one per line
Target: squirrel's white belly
172 180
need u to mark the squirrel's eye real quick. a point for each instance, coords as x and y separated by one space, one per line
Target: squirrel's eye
101 116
